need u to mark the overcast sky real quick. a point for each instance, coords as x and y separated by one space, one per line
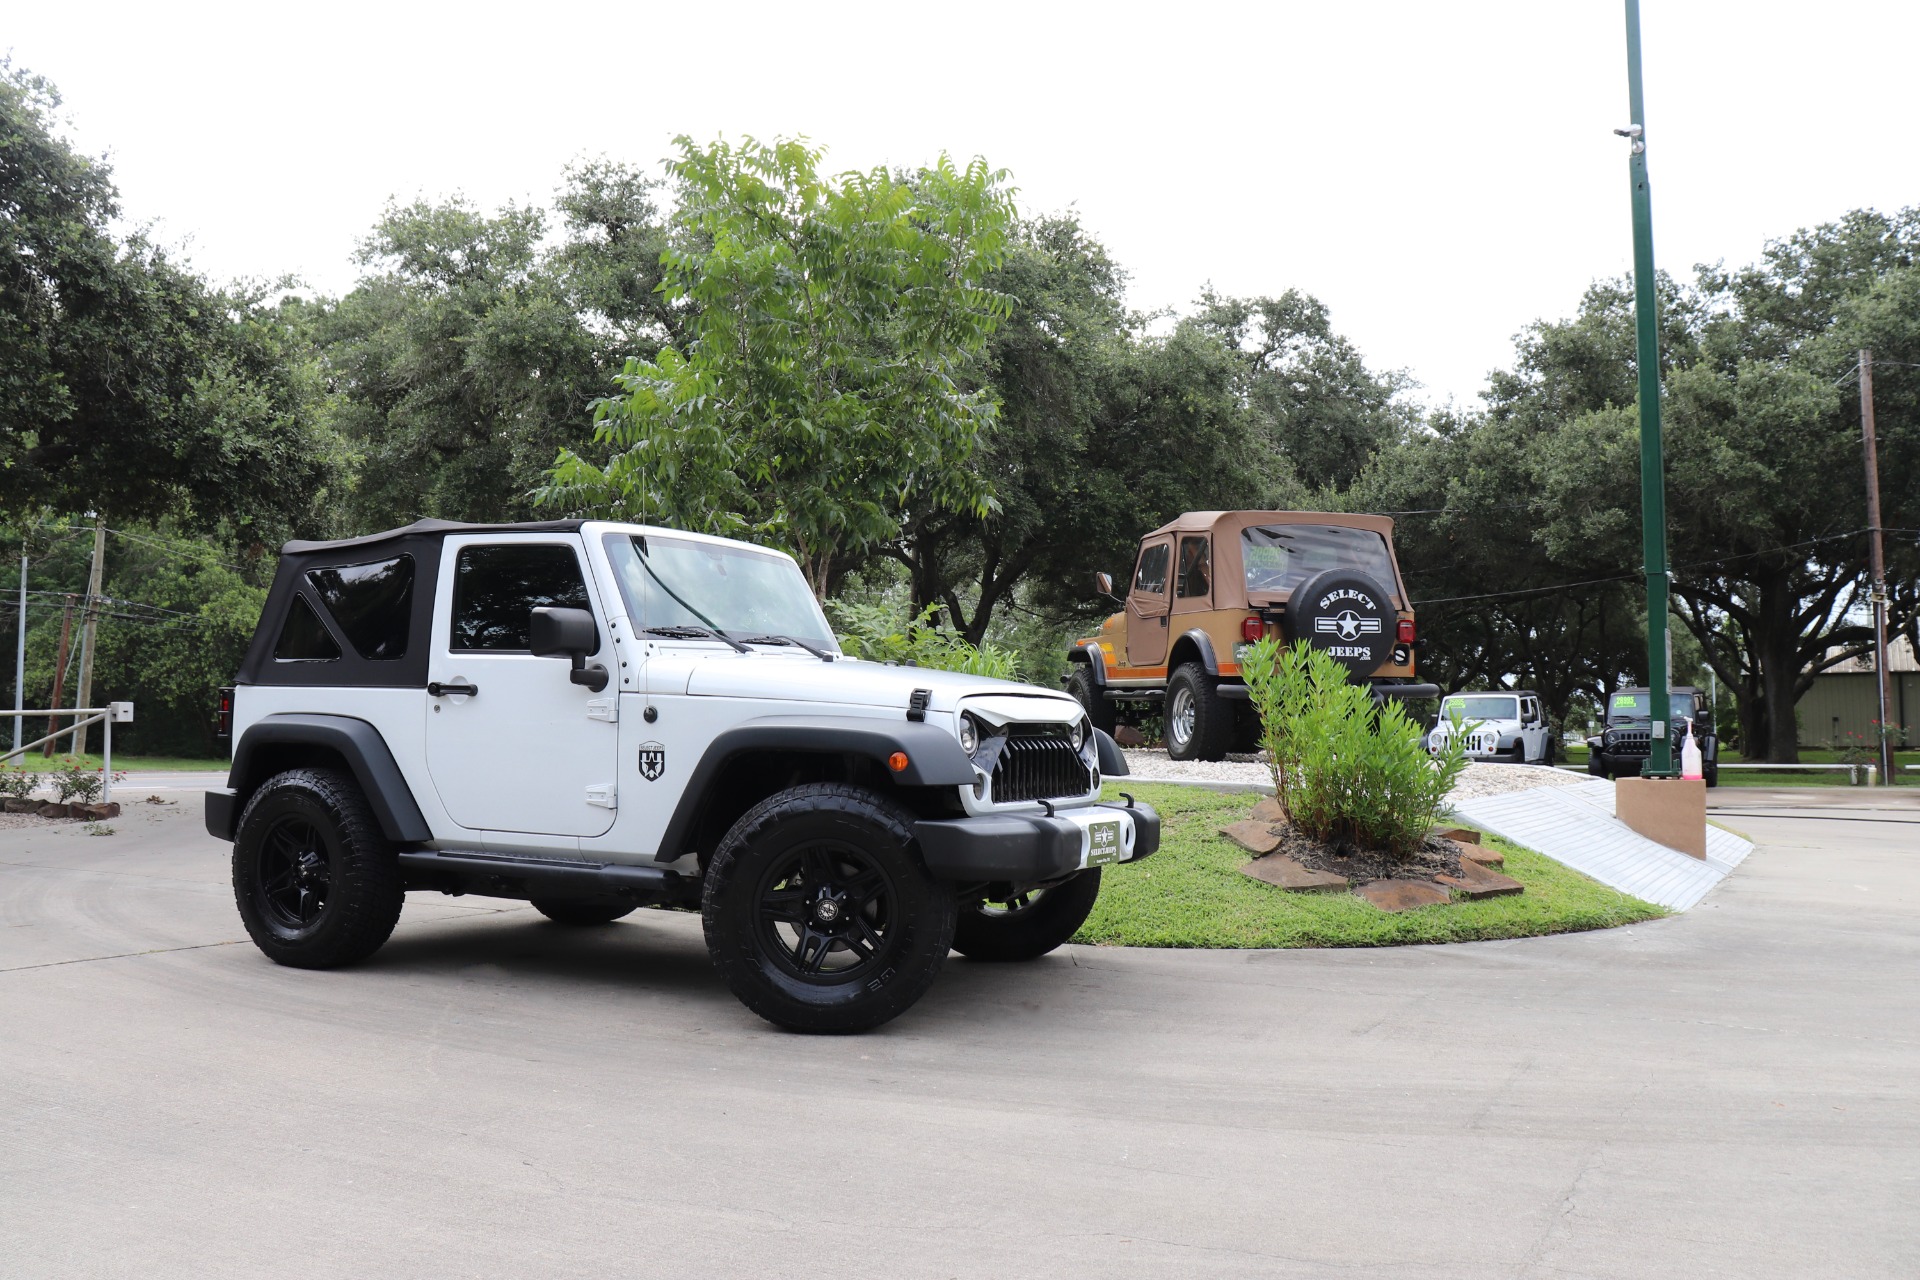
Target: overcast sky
1438 174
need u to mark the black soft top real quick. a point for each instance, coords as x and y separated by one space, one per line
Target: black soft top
421 542
431 529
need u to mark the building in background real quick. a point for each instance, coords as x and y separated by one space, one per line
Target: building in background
1842 705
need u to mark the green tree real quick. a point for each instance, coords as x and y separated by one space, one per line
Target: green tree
128 384
816 397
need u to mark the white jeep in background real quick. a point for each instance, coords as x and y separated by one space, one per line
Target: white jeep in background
1504 727
596 717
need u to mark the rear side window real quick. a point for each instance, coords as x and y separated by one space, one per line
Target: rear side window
303 637
1279 557
1195 572
497 588
371 603
1151 578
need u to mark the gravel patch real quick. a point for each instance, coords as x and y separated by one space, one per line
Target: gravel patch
1476 781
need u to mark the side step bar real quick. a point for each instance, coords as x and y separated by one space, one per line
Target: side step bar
507 875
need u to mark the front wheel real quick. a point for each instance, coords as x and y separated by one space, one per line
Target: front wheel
819 914
1596 766
1198 722
1092 698
315 879
1026 926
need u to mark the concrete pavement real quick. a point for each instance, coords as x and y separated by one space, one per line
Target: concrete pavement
1727 1093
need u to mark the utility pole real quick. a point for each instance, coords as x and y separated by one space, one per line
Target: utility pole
1653 479
88 628
1878 562
20 657
59 675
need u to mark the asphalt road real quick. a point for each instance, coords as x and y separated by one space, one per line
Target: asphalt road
1727 1093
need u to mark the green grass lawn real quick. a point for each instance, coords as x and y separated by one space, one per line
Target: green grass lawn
131 764
1191 894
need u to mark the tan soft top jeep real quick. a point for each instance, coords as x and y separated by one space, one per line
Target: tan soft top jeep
1210 583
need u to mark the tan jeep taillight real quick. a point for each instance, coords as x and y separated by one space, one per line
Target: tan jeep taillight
1252 628
1406 631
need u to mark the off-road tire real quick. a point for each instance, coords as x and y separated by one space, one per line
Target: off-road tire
1594 766
909 916
581 911
1711 774
1212 722
1092 697
308 841
988 931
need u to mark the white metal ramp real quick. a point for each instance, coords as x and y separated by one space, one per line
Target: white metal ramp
1575 825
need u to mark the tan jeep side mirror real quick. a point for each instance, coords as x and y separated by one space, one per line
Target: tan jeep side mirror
1103 583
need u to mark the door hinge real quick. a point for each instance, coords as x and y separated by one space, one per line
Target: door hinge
603 795
607 709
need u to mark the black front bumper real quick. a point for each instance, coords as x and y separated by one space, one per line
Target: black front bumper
1023 848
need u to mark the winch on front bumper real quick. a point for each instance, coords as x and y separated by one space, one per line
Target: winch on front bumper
1027 848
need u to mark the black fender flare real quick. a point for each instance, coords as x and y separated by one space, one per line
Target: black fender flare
1093 656
1201 641
934 759
355 741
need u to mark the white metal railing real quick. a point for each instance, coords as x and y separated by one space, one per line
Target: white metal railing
107 716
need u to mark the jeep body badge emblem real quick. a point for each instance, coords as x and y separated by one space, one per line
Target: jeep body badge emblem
653 760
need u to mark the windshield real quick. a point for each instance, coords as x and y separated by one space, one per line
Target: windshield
678 582
1279 557
1639 706
1480 708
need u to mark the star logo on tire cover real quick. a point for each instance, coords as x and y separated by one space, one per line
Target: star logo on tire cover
1348 625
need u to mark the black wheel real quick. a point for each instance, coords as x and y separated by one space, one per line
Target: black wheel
1028 925
316 881
819 913
1595 765
1198 722
581 911
1711 772
1090 696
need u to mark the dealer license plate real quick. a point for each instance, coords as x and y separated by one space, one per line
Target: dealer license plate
1104 835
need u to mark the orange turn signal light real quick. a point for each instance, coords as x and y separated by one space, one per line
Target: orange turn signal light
897 762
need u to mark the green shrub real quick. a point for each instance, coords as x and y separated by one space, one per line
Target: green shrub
73 780
878 633
1348 770
18 784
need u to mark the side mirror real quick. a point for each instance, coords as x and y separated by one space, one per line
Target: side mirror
568 633
1103 583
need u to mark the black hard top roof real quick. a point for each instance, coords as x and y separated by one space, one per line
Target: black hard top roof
1671 689
1493 693
431 529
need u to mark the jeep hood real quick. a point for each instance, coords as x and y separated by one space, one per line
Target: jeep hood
848 681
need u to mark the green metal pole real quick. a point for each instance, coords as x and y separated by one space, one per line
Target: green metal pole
1653 479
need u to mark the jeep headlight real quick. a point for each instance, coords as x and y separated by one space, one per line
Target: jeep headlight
1079 732
969 735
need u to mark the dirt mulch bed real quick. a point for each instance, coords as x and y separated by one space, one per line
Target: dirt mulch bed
1437 857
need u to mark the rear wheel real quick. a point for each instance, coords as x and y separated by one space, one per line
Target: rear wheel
581 911
315 879
819 914
1198 722
1092 697
1028 925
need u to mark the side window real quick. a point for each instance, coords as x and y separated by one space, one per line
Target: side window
1150 579
497 588
303 637
371 603
1194 576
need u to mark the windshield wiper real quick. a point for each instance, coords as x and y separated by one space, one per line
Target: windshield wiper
697 633
823 654
640 547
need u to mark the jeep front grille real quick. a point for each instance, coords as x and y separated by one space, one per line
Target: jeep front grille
1039 764
1629 742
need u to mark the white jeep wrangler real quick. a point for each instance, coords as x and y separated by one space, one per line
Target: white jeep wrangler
1507 727
401 722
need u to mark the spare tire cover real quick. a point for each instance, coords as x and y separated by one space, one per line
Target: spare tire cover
1346 615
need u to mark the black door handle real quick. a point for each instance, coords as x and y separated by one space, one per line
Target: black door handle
463 689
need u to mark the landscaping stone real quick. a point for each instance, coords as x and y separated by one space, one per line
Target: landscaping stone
1475 882
1128 736
1402 895
1481 854
1255 837
22 806
53 810
98 812
1269 810
1459 835
1282 872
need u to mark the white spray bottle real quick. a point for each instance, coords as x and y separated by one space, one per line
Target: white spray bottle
1690 756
